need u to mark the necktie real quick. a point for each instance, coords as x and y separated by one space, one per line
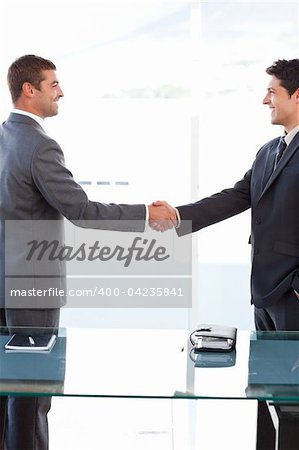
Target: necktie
280 150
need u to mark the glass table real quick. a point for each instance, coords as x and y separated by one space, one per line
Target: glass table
143 363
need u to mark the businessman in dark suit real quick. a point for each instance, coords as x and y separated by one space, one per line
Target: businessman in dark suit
35 185
271 189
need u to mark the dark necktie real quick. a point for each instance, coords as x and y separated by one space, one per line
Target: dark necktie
282 145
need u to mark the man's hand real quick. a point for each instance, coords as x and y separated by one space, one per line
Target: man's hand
162 216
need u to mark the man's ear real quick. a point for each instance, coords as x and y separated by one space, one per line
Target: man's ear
28 89
297 95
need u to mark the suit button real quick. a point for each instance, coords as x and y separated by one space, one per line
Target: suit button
256 251
258 220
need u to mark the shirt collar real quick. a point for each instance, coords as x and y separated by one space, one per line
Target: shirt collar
289 136
38 119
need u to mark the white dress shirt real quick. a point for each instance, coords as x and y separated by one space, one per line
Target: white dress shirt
289 136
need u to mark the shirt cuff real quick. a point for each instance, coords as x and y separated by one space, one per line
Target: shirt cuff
178 217
146 213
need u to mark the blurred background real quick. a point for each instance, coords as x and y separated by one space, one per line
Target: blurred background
163 100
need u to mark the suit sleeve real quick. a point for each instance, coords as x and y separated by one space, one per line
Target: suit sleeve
59 189
217 207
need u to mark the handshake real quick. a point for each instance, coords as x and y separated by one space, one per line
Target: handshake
162 216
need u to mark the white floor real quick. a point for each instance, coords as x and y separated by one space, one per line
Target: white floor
139 424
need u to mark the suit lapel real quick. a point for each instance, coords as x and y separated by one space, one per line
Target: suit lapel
291 149
269 166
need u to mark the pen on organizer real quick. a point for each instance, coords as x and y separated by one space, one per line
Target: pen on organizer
31 340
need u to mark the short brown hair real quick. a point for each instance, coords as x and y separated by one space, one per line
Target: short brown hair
287 72
28 68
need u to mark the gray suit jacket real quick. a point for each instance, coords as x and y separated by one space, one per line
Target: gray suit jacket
274 201
35 185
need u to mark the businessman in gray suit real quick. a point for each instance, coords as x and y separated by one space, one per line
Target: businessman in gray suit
35 185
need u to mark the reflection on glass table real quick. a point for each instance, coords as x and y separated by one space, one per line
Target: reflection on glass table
213 359
274 365
153 363
32 368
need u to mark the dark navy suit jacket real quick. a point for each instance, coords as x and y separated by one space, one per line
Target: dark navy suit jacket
273 197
